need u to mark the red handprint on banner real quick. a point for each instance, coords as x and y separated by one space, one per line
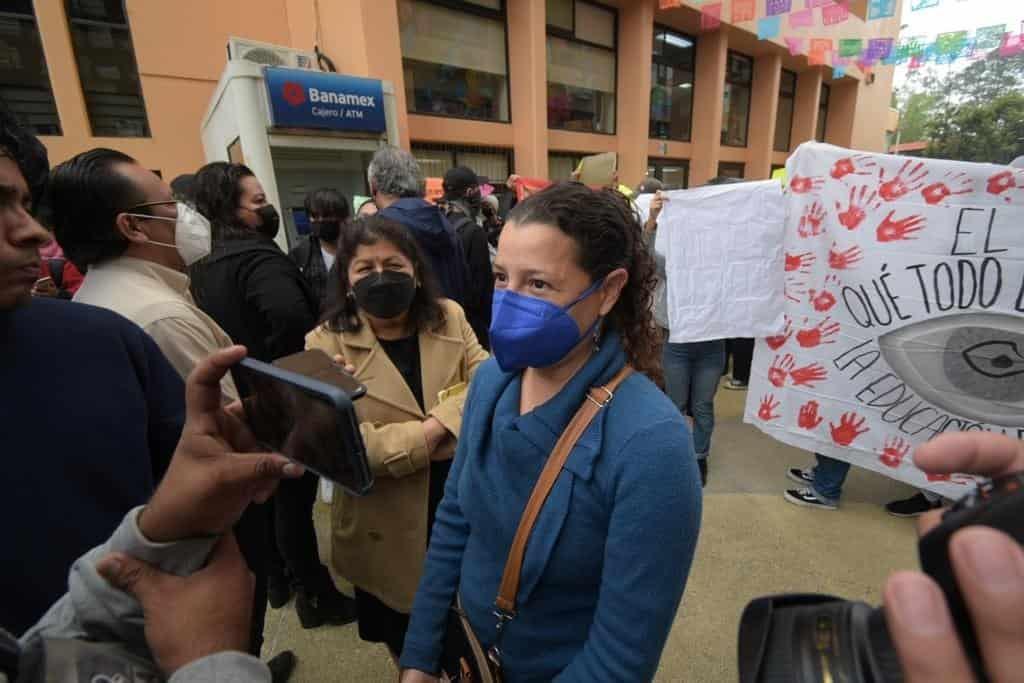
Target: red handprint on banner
802 184
807 375
855 165
822 333
794 288
808 417
780 368
823 300
940 191
860 202
849 428
800 262
767 410
893 189
775 342
810 221
903 229
841 260
1004 181
894 451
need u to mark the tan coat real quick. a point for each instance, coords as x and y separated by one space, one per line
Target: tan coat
379 541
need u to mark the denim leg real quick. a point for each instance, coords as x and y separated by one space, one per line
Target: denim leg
829 475
675 362
707 359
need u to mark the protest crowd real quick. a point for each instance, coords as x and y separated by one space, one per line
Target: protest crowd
153 538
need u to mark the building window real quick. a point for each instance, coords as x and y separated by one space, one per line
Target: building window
581 68
739 75
489 163
784 119
454 60
24 80
562 164
728 169
672 85
673 173
819 133
107 70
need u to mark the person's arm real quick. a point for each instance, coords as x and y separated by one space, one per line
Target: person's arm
441 570
185 342
652 534
274 286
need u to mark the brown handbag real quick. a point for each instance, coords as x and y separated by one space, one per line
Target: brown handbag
471 663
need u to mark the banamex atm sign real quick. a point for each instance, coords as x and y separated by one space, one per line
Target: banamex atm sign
315 99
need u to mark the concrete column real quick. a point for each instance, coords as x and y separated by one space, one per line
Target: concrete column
842 109
709 86
528 74
636 37
764 109
362 38
805 105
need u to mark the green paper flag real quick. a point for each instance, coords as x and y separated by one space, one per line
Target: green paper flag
850 47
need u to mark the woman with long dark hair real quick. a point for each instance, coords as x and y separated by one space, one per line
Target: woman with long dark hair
416 354
606 563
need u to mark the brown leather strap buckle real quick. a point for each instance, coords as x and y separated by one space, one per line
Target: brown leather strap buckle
600 404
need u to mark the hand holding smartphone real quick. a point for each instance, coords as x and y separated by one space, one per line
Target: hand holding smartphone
302 406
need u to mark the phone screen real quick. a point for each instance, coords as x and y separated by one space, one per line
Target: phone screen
305 426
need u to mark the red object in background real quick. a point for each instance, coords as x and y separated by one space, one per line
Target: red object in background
849 166
849 428
71 277
810 221
939 192
841 260
775 342
767 409
802 184
823 300
807 375
524 187
808 417
900 185
801 262
780 368
821 333
851 217
894 451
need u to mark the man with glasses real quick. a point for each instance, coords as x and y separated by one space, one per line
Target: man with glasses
119 222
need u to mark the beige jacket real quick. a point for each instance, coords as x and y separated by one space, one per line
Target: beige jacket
379 541
156 298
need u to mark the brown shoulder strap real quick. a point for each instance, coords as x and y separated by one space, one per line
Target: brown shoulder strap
597 398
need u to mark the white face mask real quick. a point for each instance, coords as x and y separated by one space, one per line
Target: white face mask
192 236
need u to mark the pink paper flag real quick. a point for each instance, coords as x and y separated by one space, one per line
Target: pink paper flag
743 10
795 45
800 18
1012 45
819 52
834 14
817 3
711 16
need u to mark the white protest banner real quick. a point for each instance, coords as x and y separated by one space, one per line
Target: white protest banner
904 307
723 260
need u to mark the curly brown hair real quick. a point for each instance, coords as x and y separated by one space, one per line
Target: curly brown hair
607 231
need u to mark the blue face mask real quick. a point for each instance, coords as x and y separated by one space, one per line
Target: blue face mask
527 332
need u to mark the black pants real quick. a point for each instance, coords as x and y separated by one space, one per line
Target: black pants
251 534
292 536
742 352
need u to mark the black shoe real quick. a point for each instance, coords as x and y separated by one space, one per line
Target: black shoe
801 476
808 498
279 590
331 607
702 465
916 505
281 666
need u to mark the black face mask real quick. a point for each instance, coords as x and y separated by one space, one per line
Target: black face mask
385 295
270 221
327 230
474 200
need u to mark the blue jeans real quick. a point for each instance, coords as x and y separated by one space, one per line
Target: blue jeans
692 372
829 475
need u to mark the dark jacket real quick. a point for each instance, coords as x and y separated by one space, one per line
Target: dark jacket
481 277
257 295
324 283
438 241
92 412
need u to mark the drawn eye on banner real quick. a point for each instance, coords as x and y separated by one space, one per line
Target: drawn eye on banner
911 320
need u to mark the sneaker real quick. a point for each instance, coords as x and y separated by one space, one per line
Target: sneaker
801 476
808 498
702 465
332 608
735 385
281 666
916 505
279 590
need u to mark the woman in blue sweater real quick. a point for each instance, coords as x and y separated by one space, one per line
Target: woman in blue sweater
607 561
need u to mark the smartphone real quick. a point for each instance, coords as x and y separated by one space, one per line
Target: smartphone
308 420
316 364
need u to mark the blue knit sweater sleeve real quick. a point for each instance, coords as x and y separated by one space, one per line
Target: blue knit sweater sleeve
425 637
652 535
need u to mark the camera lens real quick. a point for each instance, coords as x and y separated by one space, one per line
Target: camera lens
813 639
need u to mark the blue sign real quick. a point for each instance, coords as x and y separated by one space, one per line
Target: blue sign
317 99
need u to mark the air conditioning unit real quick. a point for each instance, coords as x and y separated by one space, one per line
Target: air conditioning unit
270 55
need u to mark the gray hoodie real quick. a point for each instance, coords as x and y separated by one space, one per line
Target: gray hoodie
93 610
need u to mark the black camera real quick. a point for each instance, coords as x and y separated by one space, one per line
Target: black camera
814 638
